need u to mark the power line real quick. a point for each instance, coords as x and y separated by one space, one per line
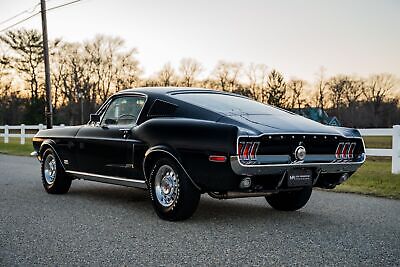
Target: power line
37 13
29 10
62 5
19 22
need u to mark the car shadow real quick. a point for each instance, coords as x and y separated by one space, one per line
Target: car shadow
109 193
209 210
241 209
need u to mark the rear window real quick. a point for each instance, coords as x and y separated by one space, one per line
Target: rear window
227 104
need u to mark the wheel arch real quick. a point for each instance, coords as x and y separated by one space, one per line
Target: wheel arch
48 143
156 152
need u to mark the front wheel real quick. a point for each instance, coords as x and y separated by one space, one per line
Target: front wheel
173 195
54 179
290 201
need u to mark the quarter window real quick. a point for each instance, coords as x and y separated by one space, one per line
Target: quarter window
123 110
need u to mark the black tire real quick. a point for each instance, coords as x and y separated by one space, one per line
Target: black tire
59 182
290 201
179 199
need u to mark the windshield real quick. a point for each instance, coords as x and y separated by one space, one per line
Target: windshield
228 104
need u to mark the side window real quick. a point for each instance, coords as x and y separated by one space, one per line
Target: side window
123 111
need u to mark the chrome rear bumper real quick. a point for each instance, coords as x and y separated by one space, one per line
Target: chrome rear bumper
331 167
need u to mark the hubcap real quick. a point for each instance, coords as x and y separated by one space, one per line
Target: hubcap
50 169
166 186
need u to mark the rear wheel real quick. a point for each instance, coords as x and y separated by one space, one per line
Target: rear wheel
173 195
290 201
54 179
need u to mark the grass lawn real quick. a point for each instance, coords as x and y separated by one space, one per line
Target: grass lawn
15 148
374 178
378 141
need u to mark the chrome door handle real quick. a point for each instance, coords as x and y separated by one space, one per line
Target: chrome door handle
125 132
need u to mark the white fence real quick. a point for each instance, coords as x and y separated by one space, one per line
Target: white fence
22 134
394 152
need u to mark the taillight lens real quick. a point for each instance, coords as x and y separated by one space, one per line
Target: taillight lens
339 149
351 150
248 150
345 151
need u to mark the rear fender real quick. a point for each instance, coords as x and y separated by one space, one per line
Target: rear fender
157 152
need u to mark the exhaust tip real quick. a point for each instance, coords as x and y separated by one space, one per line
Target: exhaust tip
344 177
245 183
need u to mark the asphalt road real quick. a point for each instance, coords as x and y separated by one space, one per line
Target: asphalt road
101 224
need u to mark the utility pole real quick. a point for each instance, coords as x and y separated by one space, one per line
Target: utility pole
80 96
49 107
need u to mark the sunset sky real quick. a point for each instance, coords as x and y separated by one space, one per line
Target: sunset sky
296 37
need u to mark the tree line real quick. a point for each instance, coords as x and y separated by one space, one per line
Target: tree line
85 74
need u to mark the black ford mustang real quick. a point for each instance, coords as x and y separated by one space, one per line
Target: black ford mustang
180 142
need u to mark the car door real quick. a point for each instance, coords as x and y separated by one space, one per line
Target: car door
106 148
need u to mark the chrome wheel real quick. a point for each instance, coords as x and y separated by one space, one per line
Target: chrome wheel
50 169
166 186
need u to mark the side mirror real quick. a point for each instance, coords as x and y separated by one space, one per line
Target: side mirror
95 118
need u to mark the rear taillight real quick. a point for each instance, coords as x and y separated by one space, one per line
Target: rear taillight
248 150
345 151
351 150
339 151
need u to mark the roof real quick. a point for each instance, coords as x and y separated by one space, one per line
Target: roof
169 90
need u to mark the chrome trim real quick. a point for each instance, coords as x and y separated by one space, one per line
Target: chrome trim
133 155
109 179
149 151
230 195
296 133
106 139
34 154
288 133
118 95
331 167
50 169
166 184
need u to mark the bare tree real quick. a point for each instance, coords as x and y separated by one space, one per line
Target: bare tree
166 76
189 69
257 75
112 68
227 74
378 88
321 89
296 90
337 86
353 92
26 58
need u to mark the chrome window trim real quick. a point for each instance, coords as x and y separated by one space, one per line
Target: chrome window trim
112 98
154 102
105 105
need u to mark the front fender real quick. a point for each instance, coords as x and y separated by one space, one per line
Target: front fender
48 143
